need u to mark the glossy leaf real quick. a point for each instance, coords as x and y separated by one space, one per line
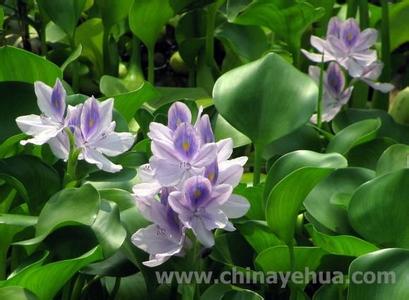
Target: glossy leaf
68 207
286 197
16 293
341 244
251 98
328 201
389 266
46 280
293 161
377 210
224 130
277 259
354 135
156 13
63 13
113 11
394 158
35 67
399 33
34 180
258 235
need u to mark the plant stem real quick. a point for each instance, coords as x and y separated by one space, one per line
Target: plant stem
71 175
151 65
381 100
258 151
75 66
210 26
320 93
76 291
352 8
116 287
134 68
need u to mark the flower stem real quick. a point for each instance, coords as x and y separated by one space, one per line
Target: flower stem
320 93
381 100
258 151
352 8
71 174
75 67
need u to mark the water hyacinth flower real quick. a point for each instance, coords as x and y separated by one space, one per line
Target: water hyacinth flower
166 236
95 136
335 95
198 176
91 124
180 156
370 75
51 122
346 44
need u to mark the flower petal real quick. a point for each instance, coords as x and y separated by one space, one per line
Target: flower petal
60 146
204 236
178 113
207 154
115 143
41 131
43 93
224 149
366 39
159 132
236 207
167 173
95 157
57 100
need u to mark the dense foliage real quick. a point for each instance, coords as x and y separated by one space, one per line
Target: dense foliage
139 137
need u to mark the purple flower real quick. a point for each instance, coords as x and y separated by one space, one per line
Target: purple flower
166 236
334 93
198 205
370 75
346 44
50 123
95 136
179 155
200 177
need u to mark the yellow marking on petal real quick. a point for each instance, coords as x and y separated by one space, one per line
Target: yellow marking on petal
349 36
211 176
91 122
186 146
197 193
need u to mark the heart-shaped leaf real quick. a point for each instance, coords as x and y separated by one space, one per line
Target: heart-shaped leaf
394 158
389 275
261 99
378 210
354 135
327 203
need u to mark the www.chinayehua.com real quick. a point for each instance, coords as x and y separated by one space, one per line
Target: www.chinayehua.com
248 276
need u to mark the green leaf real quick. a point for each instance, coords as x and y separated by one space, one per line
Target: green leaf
73 57
394 158
113 11
223 130
63 13
20 65
389 266
293 161
378 210
354 135
328 201
286 197
258 235
16 293
399 107
34 180
254 195
46 280
251 98
288 21
341 244
127 104
248 42
389 127
108 228
68 207
277 259
399 33
156 13
90 35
